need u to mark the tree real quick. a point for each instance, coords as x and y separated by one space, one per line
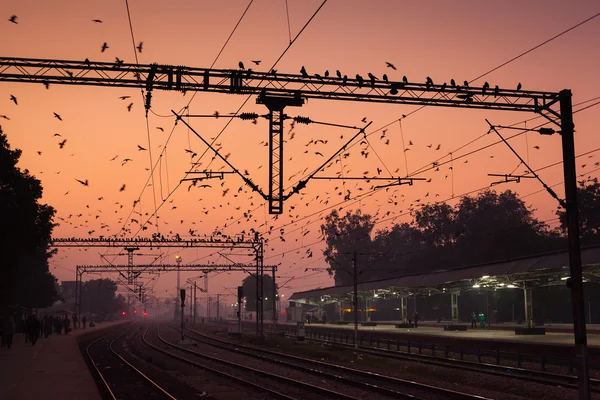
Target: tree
437 224
479 229
343 236
99 297
588 198
492 226
249 284
394 251
25 232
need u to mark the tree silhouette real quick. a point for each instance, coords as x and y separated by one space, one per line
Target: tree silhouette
479 229
25 231
344 235
588 198
249 284
99 297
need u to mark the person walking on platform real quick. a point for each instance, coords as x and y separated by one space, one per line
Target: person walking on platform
58 325
48 322
8 330
473 320
33 329
83 321
416 318
66 324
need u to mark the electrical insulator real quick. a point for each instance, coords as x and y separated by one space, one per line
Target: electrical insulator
247 116
302 120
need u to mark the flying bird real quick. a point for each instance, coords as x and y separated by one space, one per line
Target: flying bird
13 19
140 148
125 161
14 99
57 134
129 107
98 21
62 144
122 188
124 97
84 183
114 158
104 47
140 46
390 65
257 62
57 116
160 128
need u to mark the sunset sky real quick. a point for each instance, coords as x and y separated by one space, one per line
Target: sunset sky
440 39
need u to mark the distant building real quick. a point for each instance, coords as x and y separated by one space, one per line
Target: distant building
67 290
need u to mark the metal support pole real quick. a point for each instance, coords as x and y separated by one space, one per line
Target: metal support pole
527 296
274 297
195 303
454 305
355 267
218 306
404 308
572 210
182 321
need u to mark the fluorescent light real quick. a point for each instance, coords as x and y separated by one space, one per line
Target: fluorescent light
564 278
511 286
485 277
476 286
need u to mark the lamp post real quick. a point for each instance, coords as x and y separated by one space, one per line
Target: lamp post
178 260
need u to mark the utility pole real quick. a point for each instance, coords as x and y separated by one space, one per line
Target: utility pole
274 297
178 261
355 267
576 280
182 295
195 303
218 305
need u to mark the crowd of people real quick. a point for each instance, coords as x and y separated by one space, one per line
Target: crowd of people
35 327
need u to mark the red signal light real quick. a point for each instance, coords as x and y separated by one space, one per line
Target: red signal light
145 313
123 313
135 311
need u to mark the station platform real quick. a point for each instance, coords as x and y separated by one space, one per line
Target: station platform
558 344
53 369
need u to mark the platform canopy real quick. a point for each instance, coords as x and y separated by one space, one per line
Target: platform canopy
546 269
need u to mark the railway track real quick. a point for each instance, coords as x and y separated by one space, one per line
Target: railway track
118 382
277 384
546 378
360 380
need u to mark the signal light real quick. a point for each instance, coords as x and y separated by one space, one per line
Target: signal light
123 313
135 311
145 313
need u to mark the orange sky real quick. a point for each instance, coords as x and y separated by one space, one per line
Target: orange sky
443 40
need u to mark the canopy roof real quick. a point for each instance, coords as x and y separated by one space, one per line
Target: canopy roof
544 269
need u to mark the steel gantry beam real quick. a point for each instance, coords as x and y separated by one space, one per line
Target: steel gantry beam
219 242
182 78
275 91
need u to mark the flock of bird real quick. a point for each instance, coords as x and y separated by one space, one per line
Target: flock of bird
244 209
